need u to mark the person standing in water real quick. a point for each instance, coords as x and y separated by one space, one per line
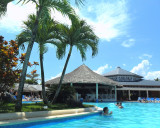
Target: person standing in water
120 105
106 111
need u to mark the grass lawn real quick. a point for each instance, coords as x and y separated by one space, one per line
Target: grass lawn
9 107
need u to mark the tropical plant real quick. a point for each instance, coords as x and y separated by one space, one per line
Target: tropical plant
66 93
10 64
157 79
43 9
3 6
32 77
45 34
9 71
82 37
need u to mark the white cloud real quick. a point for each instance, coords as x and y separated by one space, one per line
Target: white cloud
124 65
17 13
101 69
128 43
111 19
59 17
90 8
58 75
152 75
142 68
145 56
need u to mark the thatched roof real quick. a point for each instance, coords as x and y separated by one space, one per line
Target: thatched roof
118 71
83 74
29 88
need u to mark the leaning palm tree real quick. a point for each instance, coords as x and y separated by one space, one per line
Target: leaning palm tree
3 6
45 34
43 9
82 37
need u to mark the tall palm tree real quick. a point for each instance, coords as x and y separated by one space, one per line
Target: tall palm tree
82 37
45 34
3 6
43 8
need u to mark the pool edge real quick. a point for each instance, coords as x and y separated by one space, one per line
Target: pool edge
20 117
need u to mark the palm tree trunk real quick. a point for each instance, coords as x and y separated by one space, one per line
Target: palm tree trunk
42 80
18 105
62 76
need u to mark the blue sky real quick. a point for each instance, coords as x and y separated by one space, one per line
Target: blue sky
128 31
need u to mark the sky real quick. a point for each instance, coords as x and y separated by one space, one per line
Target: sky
128 32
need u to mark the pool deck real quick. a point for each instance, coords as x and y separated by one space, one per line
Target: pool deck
21 117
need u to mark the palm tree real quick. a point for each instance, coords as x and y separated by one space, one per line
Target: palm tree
45 34
82 37
43 9
3 6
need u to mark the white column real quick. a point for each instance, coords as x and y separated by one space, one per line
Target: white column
77 96
115 93
129 94
96 92
147 94
71 84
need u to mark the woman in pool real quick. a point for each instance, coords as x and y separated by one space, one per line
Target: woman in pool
106 111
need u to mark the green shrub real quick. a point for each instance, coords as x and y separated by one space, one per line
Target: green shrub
66 93
73 103
7 98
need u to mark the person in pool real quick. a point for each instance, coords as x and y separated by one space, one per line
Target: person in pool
117 104
120 105
106 111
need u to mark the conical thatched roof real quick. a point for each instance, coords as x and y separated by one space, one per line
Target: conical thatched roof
120 71
83 75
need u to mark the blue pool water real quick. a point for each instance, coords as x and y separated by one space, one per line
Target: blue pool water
28 102
133 115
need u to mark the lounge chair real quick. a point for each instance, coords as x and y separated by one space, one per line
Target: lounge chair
152 100
157 100
148 99
15 97
139 98
23 96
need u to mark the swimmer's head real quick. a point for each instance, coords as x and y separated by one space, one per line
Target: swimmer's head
105 109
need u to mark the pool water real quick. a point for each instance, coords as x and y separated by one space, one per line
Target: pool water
28 102
133 115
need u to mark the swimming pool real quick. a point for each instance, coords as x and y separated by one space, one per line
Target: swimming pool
28 102
134 115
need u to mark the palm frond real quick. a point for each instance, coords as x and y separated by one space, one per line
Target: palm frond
65 8
42 48
3 7
79 2
81 36
23 37
82 49
61 50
